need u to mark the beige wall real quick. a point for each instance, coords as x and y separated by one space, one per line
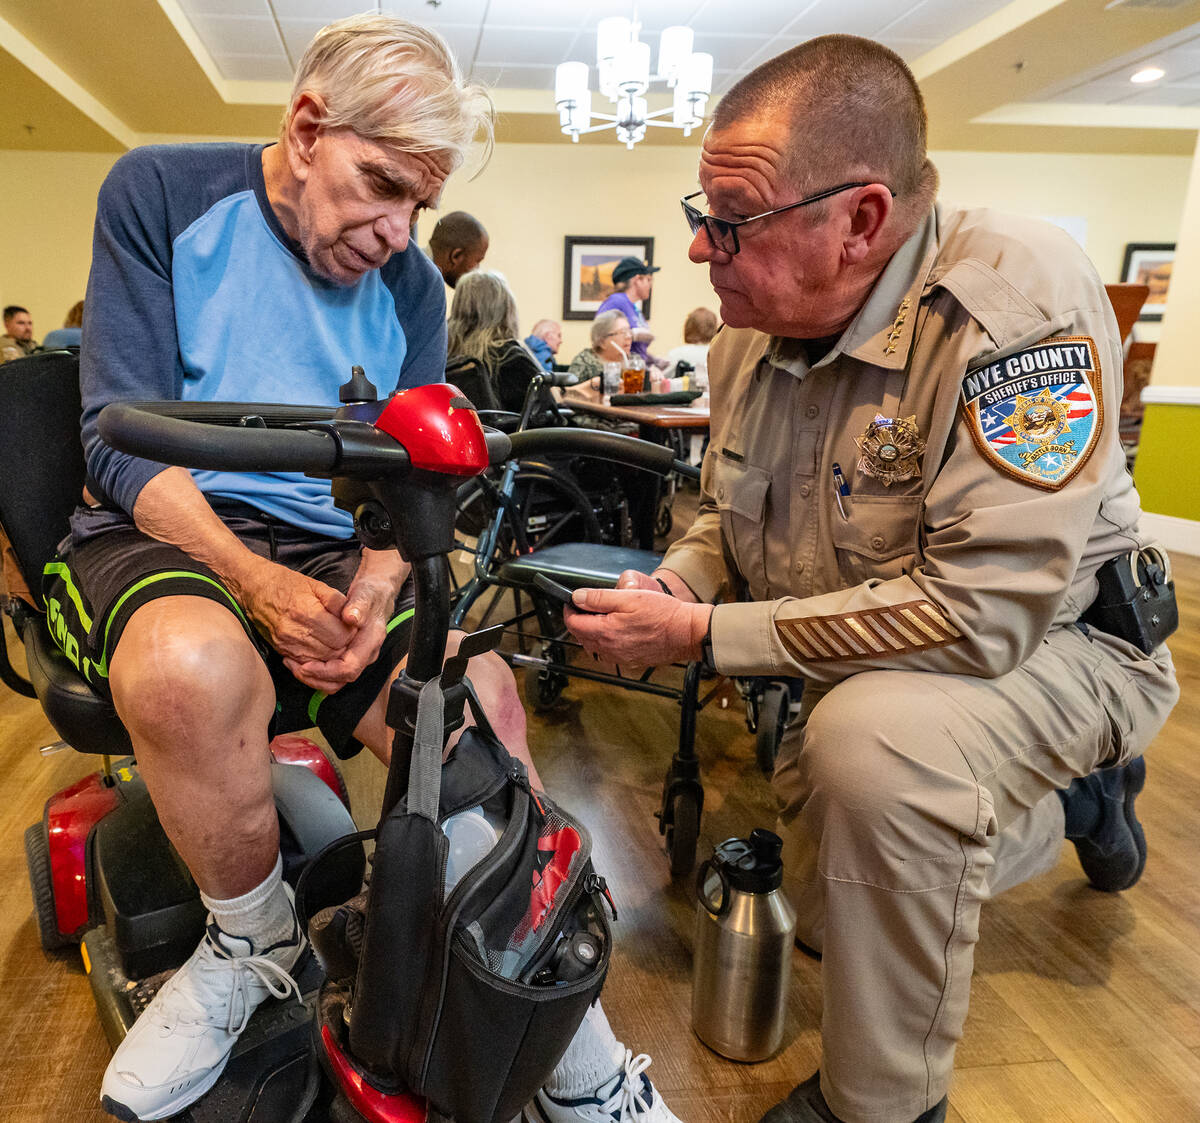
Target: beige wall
530 196
1122 198
1175 360
49 203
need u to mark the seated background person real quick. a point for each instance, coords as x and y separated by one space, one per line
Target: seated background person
611 340
70 334
698 329
899 507
17 340
483 326
262 273
544 341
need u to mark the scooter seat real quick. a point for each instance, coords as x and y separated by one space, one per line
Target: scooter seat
577 565
80 716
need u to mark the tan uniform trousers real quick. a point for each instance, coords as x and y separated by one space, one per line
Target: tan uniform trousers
909 799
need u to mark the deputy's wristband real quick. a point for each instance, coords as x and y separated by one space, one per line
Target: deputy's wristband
706 651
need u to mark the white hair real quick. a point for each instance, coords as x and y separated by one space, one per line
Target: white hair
604 325
395 82
483 316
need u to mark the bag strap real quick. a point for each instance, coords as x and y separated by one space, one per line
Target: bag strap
425 767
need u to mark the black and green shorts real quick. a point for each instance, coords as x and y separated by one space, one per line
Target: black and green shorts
107 569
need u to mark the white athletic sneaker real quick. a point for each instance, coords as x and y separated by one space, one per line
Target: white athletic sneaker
629 1096
179 1045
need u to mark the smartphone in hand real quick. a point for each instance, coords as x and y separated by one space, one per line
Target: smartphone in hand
559 593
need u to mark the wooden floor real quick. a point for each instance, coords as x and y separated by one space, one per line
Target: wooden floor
1086 1007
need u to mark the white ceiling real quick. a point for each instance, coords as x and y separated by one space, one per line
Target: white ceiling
517 43
997 75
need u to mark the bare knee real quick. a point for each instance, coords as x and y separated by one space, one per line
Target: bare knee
494 682
184 668
496 689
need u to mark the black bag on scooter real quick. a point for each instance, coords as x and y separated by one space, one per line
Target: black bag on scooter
475 996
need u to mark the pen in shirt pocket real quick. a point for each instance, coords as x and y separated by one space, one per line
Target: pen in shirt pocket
840 488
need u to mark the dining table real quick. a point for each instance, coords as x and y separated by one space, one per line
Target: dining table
646 415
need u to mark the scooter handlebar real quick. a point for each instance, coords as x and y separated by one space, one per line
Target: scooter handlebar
214 435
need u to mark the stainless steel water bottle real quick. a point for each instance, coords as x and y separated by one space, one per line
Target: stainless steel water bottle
743 956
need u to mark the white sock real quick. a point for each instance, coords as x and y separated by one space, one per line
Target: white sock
592 1059
264 915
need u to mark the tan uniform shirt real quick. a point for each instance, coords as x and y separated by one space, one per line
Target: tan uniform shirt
11 348
964 567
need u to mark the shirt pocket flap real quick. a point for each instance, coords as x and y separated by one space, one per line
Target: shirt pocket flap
740 489
879 527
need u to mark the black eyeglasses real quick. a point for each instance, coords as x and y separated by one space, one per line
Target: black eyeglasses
722 232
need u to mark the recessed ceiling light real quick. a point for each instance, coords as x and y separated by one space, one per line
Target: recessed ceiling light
1148 74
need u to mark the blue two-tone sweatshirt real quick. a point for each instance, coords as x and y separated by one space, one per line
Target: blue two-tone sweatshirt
197 293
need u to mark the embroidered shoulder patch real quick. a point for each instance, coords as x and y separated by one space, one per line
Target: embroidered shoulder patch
1037 415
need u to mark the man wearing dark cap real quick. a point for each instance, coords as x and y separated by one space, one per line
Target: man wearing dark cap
632 281
457 245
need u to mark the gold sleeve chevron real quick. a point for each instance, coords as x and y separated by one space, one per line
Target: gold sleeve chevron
897 629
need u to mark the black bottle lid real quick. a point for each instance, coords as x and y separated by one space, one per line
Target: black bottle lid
752 865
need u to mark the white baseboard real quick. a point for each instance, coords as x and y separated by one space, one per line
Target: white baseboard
1171 395
1179 535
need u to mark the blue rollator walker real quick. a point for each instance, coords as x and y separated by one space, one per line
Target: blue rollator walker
532 517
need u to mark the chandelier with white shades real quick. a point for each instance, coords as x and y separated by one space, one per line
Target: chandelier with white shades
623 62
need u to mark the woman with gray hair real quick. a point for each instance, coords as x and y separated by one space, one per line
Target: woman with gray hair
611 340
484 326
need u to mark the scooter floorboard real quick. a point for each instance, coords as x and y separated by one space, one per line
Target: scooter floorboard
266 1078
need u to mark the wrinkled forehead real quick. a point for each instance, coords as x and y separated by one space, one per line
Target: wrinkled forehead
746 159
420 174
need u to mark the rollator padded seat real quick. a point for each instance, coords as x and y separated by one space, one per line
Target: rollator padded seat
87 722
577 565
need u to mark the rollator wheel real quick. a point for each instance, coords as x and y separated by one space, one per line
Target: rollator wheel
773 709
547 688
664 522
683 832
37 858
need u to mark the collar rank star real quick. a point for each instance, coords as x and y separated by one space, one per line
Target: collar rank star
891 450
1037 415
897 328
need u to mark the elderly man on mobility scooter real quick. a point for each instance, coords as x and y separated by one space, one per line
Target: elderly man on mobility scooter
249 272
915 488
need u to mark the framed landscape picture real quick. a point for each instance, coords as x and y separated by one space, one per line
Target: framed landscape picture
1149 263
587 271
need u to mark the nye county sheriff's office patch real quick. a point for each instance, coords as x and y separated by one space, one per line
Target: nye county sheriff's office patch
1037 414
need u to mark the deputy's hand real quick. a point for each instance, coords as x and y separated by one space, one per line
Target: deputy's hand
636 579
638 627
367 609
